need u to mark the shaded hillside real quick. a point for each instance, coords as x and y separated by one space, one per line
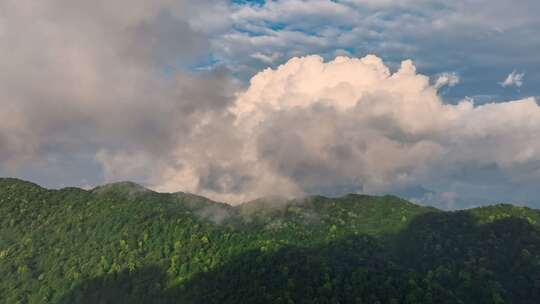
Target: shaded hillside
122 243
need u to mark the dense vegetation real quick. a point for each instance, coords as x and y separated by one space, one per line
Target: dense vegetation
121 243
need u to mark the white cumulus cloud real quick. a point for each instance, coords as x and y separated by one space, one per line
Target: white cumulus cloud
349 125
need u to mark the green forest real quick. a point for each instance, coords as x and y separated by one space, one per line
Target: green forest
122 243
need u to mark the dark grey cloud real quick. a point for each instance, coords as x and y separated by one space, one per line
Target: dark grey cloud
83 83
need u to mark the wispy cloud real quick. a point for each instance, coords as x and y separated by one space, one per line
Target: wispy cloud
446 79
266 58
513 79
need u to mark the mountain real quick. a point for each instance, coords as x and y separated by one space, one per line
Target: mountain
122 243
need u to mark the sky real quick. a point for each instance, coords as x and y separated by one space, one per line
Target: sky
435 101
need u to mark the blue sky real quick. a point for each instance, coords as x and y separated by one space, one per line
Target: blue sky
224 98
481 41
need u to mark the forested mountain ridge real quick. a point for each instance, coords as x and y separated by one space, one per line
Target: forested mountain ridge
122 243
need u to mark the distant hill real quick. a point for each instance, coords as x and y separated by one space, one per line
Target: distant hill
122 243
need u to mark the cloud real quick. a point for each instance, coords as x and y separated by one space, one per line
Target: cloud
465 36
514 79
105 92
351 125
446 79
269 59
90 86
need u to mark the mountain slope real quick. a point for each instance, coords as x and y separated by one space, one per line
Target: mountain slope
123 243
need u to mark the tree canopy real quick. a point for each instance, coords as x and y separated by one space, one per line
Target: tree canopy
122 243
